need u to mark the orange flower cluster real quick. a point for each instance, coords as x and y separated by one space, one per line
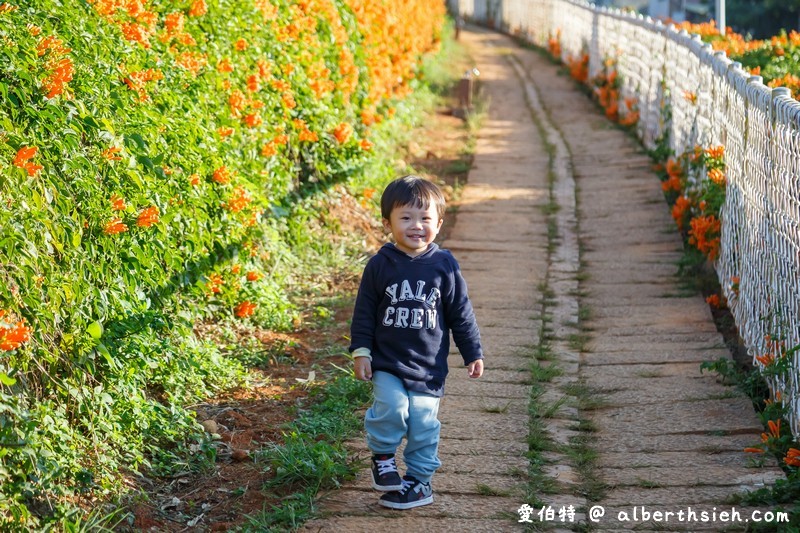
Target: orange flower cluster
631 116
680 210
192 61
198 8
792 457
717 176
253 276
705 235
342 132
58 66
774 431
117 203
713 300
137 80
110 154
239 200
554 45
131 16
383 24
715 152
789 80
222 175
674 181
23 160
114 226
13 333
245 309
579 68
215 283
148 217
305 133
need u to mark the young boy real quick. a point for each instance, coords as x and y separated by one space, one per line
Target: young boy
411 297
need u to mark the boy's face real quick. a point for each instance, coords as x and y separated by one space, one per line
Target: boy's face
413 228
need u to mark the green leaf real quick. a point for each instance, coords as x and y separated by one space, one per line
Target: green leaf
95 330
7 380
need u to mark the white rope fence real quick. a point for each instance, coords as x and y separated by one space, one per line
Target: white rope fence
759 262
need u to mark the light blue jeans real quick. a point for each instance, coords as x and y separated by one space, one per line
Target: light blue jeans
397 413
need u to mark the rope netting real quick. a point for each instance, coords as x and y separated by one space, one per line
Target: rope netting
691 96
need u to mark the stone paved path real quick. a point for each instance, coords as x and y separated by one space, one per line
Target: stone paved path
569 251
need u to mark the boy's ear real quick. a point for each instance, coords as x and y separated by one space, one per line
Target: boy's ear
441 220
386 224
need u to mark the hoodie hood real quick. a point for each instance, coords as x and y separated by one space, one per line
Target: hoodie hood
395 255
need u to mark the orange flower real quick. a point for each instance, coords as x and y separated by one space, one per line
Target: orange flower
715 152
704 235
114 226
673 183
288 100
365 144
766 359
224 65
245 309
674 167
215 283
717 176
240 45
13 335
252 275
252 83
680 209
173 22
117 203
269 149
148 217
308 135
194 180
342 132
792 457
198 8
281 139
22 160
713 300
253 120
239 199
235 269
690 96
774 428
111 153
222 175
224 131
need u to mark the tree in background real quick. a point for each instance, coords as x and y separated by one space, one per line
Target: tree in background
762 19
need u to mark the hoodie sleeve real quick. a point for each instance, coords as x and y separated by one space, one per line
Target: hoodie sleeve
365 312
461 319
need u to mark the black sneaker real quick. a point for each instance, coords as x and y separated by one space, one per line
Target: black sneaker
414 493
384 473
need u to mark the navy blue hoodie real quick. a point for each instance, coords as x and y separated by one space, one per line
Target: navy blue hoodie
404 312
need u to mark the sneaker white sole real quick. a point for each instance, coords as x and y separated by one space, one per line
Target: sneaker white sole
386 488
409 505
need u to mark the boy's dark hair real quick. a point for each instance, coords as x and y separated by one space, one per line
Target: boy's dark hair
414 191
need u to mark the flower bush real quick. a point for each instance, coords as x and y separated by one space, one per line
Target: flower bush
155 161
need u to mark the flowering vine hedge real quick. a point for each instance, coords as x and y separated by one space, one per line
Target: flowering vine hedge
151 154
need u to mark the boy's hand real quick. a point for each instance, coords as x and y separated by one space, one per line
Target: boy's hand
363 368
475 369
